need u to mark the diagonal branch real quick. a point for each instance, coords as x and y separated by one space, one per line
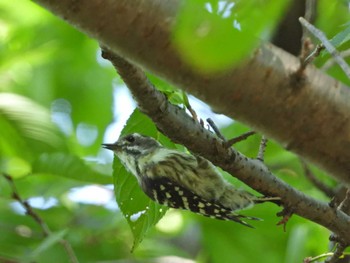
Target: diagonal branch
328 45
327 190
312 119
181 128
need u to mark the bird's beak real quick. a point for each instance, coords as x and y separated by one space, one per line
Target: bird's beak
110 146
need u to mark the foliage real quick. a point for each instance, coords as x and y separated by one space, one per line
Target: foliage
56 100
342 37
223 32
140 212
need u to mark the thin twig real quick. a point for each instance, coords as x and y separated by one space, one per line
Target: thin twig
315 53
306 48
193 113
327 44
345 204
262 149
69 250
337 254
30 212
306 58
189 107
310 8
315 181
306 43
313 259
230 142
330 62
216 129
340 245
237 139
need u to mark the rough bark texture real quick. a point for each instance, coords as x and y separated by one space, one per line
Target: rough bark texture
310 117
181 128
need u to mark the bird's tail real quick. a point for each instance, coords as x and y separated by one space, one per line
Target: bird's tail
239 219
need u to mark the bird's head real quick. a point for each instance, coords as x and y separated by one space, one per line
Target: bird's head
133 144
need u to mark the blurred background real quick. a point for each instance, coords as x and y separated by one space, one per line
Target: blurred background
59 100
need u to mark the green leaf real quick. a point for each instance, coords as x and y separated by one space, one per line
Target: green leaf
48 242
27 128
14 166
173 94
222 33
341 37
140 212
296 244
70 166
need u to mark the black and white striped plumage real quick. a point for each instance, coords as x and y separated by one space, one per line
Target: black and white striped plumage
179 180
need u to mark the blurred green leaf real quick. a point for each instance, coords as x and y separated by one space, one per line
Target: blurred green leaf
26 128
342 37
30 120
38 62
68 166
51 240
15 166
222 33
226 242
296 244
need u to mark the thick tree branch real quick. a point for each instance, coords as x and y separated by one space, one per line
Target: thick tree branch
311 118
181 128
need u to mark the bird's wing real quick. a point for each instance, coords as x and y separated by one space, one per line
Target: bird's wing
164 191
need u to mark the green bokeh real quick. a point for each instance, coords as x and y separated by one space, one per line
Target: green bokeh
222 33
43 59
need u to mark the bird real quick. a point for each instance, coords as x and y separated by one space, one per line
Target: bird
182 181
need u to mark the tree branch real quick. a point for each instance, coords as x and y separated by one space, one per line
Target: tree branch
328 45
30 212
312 119
181 128
327 190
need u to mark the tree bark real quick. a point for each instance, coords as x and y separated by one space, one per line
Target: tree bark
309 115
182 128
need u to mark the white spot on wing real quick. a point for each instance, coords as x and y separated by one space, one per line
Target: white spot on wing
201 205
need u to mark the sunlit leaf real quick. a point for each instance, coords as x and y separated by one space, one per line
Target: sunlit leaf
14 166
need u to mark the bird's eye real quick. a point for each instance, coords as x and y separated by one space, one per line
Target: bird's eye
130 138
